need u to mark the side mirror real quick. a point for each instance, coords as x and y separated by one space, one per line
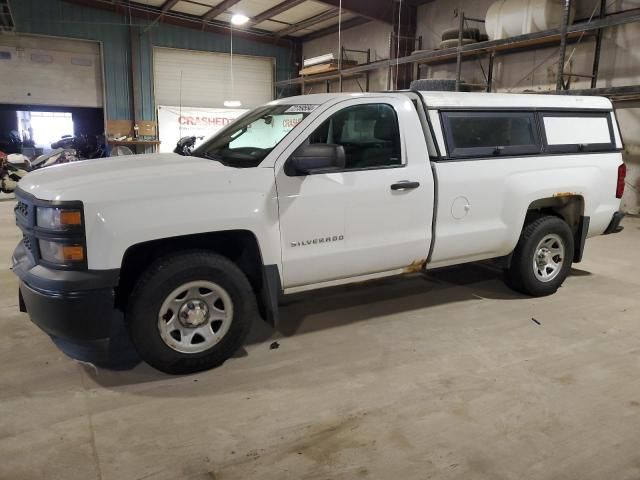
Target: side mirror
315 158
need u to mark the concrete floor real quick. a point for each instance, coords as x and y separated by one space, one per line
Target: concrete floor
412 378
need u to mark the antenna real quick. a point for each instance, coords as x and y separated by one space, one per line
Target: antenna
180 106
232 103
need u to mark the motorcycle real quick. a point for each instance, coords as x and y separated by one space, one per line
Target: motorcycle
11 142
10 173
71 149
55 157
86 147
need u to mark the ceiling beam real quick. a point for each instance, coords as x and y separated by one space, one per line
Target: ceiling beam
168 5
219 9
276 10
183 20
354 22
380 10
309 22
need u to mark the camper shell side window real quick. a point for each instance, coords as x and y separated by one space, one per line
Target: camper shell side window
572 132
497 133
490 133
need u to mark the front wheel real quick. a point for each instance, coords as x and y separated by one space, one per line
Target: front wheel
190 312
542 258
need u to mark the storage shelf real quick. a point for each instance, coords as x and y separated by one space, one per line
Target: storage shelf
512 44
450 55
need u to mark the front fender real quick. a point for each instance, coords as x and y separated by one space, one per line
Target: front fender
113 227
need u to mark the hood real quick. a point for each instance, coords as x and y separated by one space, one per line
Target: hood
138 176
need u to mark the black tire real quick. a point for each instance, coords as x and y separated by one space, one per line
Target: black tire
438 85
159 281
434 85
452 33
454 43
521 275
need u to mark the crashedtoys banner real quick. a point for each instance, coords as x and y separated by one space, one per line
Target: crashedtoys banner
177 122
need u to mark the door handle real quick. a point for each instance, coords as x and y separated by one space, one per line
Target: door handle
404 185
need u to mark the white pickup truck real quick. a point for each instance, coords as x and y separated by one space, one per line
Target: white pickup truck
308 192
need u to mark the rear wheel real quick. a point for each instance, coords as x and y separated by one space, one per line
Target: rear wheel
190 312
542 258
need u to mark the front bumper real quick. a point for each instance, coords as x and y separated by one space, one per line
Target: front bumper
73 305
614 225
81 315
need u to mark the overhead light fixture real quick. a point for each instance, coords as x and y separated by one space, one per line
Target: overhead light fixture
232 103
239 19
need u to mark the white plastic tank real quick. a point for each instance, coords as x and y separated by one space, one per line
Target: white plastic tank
508 18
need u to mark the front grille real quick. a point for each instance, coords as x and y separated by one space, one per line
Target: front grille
22 209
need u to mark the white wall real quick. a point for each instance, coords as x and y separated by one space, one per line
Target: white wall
629 119
374 35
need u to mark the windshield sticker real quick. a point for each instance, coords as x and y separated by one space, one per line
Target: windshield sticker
301 108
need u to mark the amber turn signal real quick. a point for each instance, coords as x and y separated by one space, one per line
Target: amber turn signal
70 217
73 253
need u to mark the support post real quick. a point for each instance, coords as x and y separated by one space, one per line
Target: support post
459 50
563 44
134 36
367 73
596 53
390 69
490 72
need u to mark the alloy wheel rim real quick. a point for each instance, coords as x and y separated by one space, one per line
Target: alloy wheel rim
195 316
548 258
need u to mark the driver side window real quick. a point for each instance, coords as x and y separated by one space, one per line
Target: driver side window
368 133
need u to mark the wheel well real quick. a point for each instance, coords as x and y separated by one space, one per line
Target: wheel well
569 207
239 246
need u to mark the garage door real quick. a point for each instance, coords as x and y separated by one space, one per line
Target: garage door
202 79
50 71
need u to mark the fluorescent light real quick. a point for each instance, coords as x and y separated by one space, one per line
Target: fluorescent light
232 103
239 19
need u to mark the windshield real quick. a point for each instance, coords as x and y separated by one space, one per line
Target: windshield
248 140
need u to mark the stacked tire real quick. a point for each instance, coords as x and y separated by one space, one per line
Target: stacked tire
450 37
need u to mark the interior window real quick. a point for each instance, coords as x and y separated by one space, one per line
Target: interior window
490 133
369 134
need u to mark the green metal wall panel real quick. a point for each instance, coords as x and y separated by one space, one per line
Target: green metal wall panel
61 19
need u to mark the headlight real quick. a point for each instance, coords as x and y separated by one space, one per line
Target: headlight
58 218
60 253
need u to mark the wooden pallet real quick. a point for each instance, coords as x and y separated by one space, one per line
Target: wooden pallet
326 67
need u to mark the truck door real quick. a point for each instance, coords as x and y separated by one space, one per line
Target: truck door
374 215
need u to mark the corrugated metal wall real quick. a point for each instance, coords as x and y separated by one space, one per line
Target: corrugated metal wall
61 19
